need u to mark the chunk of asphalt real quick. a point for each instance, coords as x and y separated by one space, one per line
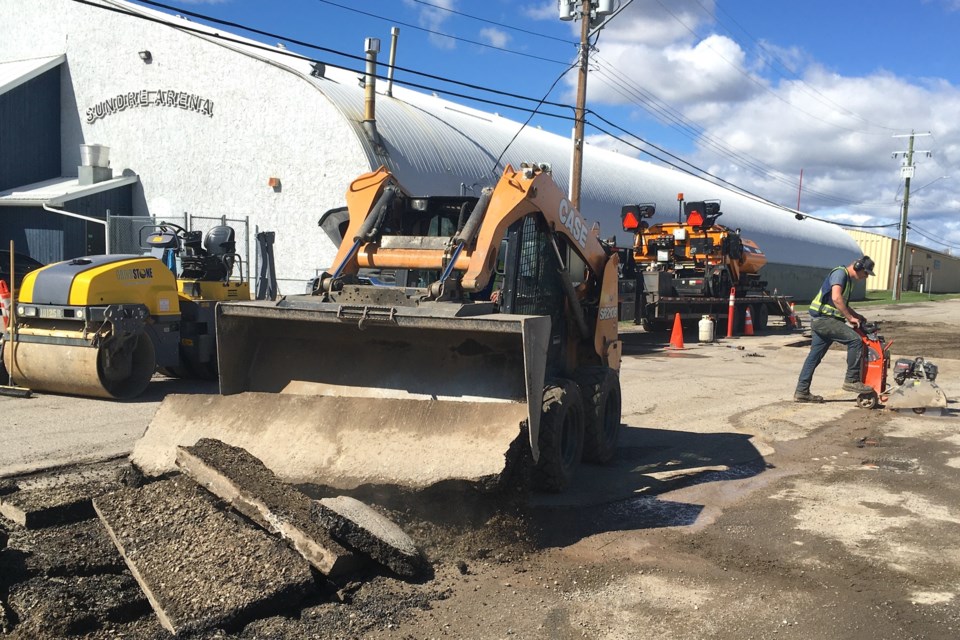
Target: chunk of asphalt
35 508
245 482
8 486
80 549
64 606
360 527
199 567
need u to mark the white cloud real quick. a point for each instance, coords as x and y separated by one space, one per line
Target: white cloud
435 19
495 37
774 110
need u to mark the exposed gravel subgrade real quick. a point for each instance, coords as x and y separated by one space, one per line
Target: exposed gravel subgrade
365 530
63 606
379 604
198 567
8 486
81 549
48 506
249 486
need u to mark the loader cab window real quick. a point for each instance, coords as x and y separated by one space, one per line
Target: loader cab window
531 281
417 218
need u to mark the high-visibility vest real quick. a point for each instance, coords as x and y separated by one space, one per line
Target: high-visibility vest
822 304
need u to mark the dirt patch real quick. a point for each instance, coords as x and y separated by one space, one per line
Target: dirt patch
933 341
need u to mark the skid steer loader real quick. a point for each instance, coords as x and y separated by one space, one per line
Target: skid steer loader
452 336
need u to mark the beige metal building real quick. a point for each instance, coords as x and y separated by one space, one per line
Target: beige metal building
924 269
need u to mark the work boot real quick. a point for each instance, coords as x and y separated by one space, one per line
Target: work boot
806 396
857 387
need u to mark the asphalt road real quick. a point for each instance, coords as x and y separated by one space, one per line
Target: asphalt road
729 512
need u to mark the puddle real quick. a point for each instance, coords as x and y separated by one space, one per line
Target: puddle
897 465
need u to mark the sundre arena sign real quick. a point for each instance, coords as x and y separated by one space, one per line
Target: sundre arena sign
146 98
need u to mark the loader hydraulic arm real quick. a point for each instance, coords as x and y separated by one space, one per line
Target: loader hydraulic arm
517 194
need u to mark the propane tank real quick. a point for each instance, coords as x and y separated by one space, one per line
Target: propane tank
706 329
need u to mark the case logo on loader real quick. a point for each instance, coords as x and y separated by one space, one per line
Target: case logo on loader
573 222
135 274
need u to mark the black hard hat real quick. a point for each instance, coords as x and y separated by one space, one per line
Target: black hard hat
864 264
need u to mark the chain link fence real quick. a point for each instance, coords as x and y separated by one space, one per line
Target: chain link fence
127 234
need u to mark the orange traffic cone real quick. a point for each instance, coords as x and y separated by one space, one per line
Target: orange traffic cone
793 316
5 303
676 338
747 322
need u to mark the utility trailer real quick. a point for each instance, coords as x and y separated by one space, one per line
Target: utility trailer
649 299
693 267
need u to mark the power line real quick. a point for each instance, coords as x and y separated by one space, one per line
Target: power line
700 172
441 34
308 45
917 230
497 24
752 79
532 113
793 75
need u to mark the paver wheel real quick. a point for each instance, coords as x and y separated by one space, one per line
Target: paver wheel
600 389
867 401
561 436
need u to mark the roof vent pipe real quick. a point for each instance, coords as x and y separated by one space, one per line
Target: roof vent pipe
394 34
372 48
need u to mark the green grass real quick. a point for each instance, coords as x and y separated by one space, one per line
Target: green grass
885 297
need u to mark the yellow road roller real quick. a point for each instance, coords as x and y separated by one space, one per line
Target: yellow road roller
102 325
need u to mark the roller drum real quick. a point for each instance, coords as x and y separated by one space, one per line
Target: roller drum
81 370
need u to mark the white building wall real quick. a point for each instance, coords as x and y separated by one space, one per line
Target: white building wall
270 119
266 122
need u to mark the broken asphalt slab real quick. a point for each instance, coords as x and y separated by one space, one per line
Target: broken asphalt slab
249 486
80 549
369 532
71 605
198 566
35 508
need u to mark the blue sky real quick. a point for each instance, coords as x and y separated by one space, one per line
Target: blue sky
751 92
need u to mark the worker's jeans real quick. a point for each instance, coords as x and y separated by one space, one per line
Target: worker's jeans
826 331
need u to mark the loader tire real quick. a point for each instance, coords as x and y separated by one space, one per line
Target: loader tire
600 389
561 436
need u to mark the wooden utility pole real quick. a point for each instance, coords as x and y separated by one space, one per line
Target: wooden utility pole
576 169
907 172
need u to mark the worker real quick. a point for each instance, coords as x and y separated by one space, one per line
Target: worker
830 313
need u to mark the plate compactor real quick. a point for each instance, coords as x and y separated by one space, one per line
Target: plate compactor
915 377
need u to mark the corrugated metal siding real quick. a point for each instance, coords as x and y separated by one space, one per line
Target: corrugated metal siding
36 232
435 147
883 250
30 131
93 240
938 272
49 237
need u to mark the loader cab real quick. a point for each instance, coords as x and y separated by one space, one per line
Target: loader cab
531 281
420 222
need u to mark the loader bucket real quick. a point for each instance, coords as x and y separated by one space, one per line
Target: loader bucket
328 394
